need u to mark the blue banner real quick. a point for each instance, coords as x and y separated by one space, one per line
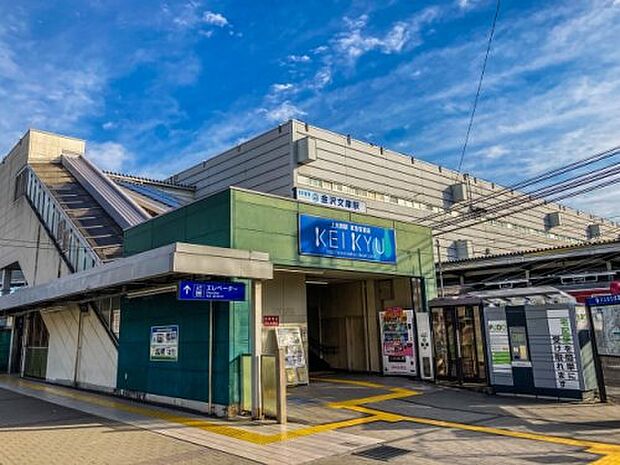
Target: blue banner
612 299
211 290
325 237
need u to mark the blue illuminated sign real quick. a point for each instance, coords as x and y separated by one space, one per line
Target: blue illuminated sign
211 290
325 237
612 299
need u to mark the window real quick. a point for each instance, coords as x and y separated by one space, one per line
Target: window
21 184
518 344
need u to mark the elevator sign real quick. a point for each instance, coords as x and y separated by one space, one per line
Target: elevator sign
325 237
211 290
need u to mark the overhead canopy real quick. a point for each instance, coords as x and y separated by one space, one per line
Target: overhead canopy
158 266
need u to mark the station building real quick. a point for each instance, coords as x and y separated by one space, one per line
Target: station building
320 229
102 268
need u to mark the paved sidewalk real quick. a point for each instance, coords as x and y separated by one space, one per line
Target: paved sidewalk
349 419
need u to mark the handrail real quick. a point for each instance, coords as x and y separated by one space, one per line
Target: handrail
116 203
59 225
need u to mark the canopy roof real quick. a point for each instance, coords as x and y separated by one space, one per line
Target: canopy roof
164 265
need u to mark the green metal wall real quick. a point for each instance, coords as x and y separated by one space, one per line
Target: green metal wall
243 220
269 224
186 378
5 348
205 222
254 221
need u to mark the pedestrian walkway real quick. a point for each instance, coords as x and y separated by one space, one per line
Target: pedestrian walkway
336 417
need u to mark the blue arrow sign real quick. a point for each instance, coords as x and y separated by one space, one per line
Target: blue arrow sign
211 290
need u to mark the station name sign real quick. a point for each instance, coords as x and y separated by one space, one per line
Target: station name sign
325 237
613 299
329 200
211 290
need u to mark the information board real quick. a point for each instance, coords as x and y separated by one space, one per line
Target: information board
397 341
164 343
289 338
327 237
500 346
563 349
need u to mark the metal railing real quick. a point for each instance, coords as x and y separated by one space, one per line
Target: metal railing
74 248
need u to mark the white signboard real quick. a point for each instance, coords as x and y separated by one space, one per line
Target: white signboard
500 346
329 200
563 349
397 341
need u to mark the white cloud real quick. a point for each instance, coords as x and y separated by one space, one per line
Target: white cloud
322 77
110 156
355 42
494 152
283 112
279 88
109 125
214 19
298 59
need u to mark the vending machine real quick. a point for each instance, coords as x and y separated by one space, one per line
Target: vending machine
398 347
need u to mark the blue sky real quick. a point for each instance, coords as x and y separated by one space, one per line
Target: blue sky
157 86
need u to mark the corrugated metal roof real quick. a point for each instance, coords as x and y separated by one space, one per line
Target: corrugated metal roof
540 250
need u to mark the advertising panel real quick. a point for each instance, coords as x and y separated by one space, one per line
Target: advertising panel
500 346
289 338
325 237
164 343
397 341
563 349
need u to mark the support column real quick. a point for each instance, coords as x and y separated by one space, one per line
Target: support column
255 346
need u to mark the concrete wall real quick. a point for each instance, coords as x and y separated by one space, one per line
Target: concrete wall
23 238
263 163
392 184
420 189
97 364
285 296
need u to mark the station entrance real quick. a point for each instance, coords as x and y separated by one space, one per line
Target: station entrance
343 329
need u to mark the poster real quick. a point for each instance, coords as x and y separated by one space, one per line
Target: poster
606 322
563 349
397 341
164 343
500 346
289 338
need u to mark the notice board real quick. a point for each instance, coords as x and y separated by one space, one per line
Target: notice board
289 339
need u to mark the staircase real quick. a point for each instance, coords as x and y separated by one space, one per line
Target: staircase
101 232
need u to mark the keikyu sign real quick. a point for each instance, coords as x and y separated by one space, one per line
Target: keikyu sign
325 237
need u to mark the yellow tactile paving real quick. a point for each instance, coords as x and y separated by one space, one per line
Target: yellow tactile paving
610 452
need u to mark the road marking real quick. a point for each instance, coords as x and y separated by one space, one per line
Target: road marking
610 452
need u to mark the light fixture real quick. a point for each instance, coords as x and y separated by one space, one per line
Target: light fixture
320 283
152 291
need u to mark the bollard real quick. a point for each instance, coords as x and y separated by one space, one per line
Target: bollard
280 387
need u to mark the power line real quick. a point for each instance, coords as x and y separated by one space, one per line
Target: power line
540 193
547 175
484 67
561 197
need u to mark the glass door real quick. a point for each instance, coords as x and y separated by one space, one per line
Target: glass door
458 343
